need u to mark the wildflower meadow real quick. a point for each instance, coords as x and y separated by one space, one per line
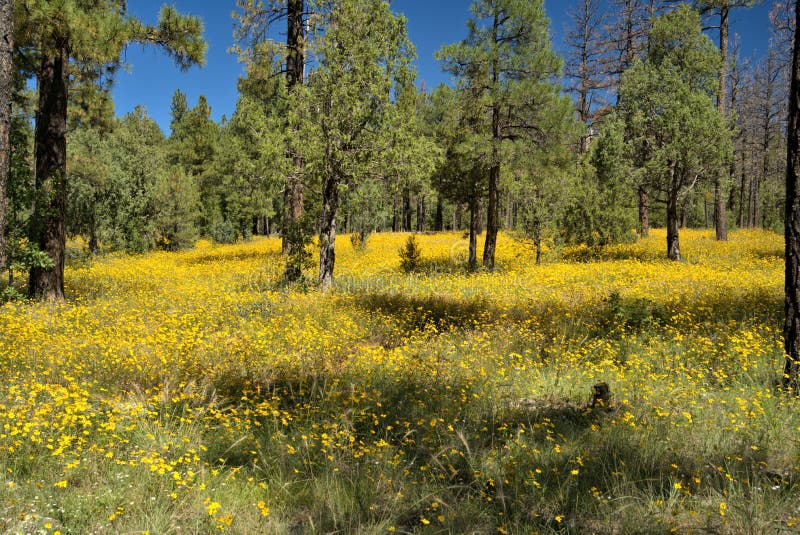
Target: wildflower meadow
194 392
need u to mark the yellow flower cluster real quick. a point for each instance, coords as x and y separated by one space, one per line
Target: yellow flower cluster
194 392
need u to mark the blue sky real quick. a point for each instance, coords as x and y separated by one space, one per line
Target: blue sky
152 78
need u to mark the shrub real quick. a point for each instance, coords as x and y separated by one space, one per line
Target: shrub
410 255
359 239
223 231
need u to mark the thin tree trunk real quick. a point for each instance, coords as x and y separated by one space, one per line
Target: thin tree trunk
394 215
644 215
438 220
421 213
756 202
472 260
406 210
673 247
458 216
93 247
791 327
327 235
48 222
722 175
6 91
742 196
684 216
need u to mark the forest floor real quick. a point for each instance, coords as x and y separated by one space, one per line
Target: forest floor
191 393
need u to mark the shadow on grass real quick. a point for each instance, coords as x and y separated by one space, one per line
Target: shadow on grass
635 314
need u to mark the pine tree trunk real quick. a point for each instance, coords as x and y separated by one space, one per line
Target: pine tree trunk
757 201
673 247
791 327
684 216
479 217
421 213
492 223
742 193
720 213
327 234
406 210
458 216
293 235
472 261
48 222
6 91
93 247
438 220
644 216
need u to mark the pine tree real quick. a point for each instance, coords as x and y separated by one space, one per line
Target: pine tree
675 133
193 144
6 91
258 50
364 58
506 65
62 33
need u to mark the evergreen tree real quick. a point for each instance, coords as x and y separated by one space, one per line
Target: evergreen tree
87 173
459 178
507 65
259 51
675 133
6 92
65 32
250 168
600 209
193 146
364 58
147 202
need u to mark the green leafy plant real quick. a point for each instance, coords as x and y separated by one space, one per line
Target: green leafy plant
410 255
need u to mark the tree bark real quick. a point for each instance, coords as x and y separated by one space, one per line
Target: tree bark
438 220
293 193
491 219
791 327
48 222
6 91
406 210
673 247
327 234
472 260
93 246
420 213
720 213
644 215
492 222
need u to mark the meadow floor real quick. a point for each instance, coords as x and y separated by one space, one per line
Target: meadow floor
191 393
